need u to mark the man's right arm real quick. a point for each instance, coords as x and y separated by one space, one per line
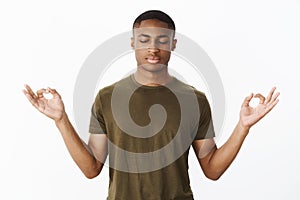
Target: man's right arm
89 158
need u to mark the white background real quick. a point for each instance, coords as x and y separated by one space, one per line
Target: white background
254 45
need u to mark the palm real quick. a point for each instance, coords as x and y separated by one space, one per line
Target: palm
52 108
250 115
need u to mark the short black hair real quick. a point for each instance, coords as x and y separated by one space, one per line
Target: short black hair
155 14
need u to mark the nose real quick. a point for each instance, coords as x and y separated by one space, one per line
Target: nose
153 47
153 50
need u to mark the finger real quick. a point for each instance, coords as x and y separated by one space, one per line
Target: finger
29 91
271 106
247 100
274 98
31 99
53 92
261 98
40 92
268 99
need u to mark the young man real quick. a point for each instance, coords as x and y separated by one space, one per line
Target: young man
127 124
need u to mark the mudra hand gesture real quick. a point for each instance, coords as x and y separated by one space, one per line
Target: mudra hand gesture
53 107
250 115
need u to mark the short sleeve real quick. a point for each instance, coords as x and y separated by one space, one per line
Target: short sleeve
97 123
205 127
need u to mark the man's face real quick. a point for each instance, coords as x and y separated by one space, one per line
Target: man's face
153 42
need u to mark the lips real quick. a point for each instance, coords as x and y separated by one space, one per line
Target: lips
153 59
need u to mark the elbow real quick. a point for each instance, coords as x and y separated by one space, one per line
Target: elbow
214 176
91 174
212 172
92 171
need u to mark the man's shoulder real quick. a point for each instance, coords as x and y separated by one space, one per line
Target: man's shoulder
107 90
185 87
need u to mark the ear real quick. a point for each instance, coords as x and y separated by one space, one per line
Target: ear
132 42
174 44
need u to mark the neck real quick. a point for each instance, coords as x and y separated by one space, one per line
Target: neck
152 78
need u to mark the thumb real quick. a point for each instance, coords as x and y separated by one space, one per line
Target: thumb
53 92
247 100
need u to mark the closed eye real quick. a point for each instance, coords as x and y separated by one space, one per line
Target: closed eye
143 41
164 42
163 39
143 38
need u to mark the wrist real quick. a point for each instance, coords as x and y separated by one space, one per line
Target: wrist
62 120
243 128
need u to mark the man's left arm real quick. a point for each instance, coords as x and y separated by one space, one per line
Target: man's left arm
214 161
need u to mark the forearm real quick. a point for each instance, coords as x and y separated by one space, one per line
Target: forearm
224 156
77 148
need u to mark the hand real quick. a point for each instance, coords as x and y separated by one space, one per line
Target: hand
249 115
53 108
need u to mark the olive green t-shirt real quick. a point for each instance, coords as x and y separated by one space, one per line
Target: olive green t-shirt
149 146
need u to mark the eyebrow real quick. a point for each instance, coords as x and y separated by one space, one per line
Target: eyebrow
145 35
162 36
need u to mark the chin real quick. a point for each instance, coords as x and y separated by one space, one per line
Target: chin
153 67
